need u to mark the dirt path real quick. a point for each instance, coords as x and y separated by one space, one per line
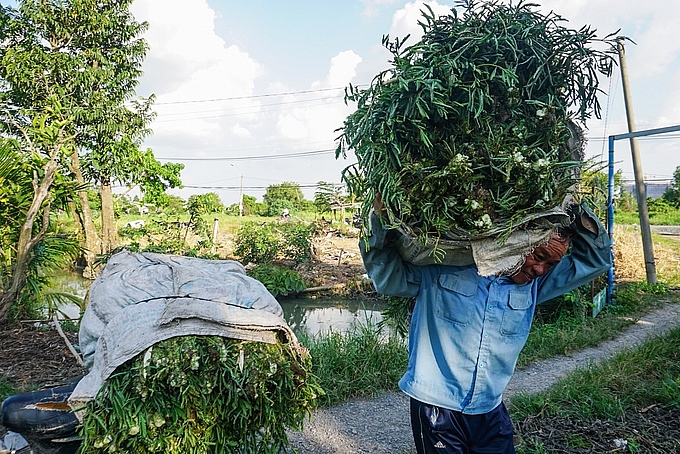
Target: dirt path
382 425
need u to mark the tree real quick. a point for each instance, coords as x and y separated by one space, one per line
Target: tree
327 195
206 203
672 194
285 191
89 52
35 159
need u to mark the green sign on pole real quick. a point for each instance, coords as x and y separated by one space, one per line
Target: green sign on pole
599 302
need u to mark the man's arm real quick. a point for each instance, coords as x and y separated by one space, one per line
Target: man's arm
390 274
590 257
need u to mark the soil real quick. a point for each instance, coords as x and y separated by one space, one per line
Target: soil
34 355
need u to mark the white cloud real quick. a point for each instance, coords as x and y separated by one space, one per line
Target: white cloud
405 20
291 128
343 68
372 7
240 131
187 61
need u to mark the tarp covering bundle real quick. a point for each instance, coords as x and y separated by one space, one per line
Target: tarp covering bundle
140 299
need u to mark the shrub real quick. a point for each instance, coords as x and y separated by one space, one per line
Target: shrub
278 280
297 240
262 243
257 243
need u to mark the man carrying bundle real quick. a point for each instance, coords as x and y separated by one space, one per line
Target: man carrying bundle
468 330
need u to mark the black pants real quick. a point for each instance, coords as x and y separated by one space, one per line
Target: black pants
443 431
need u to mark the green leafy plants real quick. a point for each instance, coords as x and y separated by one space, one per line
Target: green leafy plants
279 281
256 243
198 394
297 240
261 243
475 126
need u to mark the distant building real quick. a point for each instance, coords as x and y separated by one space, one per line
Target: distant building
653 190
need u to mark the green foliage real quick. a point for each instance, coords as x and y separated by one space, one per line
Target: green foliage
85 56
49 251
6 389
397 314
122 205
276 207
296 240
285 191
206 203
261 243
362 362
168 235
203 394
672 194
256 243
659 206
279 281
594 187
469 128
327 195
172 205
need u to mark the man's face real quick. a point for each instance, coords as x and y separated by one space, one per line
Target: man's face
541 260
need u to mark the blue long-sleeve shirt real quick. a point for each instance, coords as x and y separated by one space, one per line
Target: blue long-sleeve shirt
468 330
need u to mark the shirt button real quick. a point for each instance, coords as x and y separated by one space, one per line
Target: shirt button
481 364
486 336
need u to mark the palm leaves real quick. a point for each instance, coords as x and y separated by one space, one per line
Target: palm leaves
53 252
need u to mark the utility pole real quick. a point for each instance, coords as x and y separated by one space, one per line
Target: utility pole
240 198
645 230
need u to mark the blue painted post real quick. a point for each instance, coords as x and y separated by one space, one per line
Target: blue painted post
610 218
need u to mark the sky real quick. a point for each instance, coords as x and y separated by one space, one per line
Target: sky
250 93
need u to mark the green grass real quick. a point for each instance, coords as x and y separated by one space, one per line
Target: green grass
362 362
630 380
561 326
605 397
632 217
6 389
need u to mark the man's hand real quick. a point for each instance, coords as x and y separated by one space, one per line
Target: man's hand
580 216
379 206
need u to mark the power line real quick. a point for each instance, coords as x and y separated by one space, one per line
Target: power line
255 158
297 101
254 96
253 110
301 186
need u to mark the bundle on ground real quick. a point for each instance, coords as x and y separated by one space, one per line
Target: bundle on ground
477 127
202 394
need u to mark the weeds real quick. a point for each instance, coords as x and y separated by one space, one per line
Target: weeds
633 379
361 362
6 389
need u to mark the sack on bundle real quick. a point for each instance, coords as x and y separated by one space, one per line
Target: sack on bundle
188 355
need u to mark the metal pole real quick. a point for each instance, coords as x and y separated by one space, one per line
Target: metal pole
645 229
610 219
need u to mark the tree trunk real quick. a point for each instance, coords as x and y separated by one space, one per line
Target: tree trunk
92 240
76 218
110 238
26 239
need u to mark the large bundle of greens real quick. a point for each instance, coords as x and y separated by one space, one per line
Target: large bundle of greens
202 394
467 133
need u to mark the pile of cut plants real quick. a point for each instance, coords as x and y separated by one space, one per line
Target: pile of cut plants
478 126
202 394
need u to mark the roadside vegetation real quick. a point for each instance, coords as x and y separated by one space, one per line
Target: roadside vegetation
628 403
